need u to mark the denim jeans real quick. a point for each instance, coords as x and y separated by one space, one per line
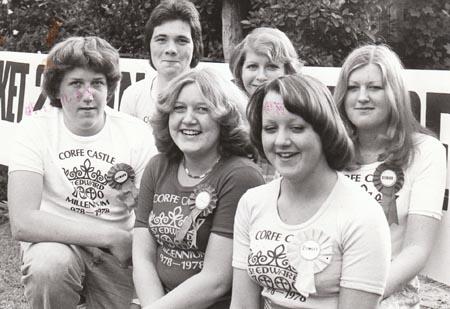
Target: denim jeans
55 275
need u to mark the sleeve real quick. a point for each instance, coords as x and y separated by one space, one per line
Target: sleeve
237 183
146 192
144 151
429 171
241 240
28 149
366 249
128 101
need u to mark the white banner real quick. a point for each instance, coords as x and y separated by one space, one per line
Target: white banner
20 94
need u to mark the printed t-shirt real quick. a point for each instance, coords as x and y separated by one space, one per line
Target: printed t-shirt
345 244
164 205
419 189
75 168
139 99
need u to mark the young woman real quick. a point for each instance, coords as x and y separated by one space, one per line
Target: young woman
173 36
397 161
73 180
184 228
264 54
312 238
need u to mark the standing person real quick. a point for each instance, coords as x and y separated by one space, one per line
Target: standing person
398 162
182 243
73 180
312 238
173 36
264 54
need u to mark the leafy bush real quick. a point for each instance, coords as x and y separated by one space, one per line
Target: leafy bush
323 32
422 34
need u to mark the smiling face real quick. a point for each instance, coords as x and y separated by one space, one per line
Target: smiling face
191 126
171 48
289 142
366 102
83 94
257 69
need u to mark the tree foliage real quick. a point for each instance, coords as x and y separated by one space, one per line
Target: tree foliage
323 31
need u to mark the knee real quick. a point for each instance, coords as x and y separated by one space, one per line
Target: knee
49 263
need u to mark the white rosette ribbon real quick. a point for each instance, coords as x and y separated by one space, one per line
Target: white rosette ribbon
309 252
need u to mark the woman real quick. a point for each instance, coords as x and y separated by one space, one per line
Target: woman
173 36
72 182
312 238
189 195
398 162
264 54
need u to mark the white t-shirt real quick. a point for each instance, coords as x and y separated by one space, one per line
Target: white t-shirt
420 188
345 244
75 168
139 99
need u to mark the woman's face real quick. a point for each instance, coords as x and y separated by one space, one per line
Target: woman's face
289 142
83 95
366 102
257 69
191 125
172 48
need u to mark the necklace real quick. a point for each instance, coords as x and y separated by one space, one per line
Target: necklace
202 175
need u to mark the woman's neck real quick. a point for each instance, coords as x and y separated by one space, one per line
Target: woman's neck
369 146
198 165
321 181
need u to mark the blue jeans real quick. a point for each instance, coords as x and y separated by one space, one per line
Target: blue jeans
55 275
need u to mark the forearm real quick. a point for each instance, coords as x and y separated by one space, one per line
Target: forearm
146 282
41 226
405 267
199 291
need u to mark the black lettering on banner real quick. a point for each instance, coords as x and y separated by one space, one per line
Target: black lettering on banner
42 97
437 104
125 82
8 73
415 104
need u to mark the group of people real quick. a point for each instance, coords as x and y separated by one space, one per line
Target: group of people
223 194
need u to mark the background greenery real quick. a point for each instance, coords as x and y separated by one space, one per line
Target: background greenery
323 31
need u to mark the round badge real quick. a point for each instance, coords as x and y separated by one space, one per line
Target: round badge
310 250
388 178
202 200
121 177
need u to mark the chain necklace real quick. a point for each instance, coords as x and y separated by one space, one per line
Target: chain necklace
202 175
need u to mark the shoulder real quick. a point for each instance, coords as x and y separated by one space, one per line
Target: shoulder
242 170
425 143
139 86
42 119
353 202
263 192
157 165
126 122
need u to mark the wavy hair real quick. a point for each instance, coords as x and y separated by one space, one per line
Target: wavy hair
170 10
308 98
270 42
91 53
227 105
401 123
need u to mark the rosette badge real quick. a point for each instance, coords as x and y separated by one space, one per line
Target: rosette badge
121 177
389 179
120 174
201 202
309 253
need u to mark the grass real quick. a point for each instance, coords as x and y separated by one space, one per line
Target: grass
11 291
435 295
